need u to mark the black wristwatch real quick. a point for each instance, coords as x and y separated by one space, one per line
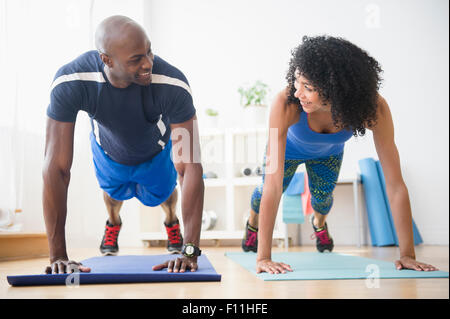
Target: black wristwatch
190 250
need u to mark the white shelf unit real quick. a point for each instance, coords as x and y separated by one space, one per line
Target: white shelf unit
225 152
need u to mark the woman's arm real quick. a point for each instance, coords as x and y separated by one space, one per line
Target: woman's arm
383 135
281 117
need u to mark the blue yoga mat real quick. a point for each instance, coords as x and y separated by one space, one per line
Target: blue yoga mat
381 232
381 223
330 266
416 234
122 269
297 184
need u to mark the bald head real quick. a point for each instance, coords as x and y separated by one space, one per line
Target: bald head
125 50
116 32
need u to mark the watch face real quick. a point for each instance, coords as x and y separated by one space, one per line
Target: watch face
189 250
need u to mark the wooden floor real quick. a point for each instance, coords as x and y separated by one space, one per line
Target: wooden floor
237 283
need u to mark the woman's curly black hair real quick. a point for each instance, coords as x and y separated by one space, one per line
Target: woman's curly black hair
343 74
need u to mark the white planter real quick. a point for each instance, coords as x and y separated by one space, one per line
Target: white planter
255 116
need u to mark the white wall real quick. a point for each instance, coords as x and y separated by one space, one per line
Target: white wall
220 45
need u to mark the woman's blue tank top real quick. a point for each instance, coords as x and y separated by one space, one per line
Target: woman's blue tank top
304 143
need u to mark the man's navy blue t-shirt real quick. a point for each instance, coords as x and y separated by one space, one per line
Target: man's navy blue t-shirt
132 124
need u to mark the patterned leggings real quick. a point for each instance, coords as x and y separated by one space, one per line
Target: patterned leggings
322 176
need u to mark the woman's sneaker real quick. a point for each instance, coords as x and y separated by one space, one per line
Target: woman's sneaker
250 241
175 240
109 245
323 238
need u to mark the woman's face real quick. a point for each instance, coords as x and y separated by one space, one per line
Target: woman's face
308 95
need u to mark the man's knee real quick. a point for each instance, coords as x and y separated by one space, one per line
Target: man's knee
111 201
172 200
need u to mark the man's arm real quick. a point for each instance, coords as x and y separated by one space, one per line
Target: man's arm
56 176
186 158
383 134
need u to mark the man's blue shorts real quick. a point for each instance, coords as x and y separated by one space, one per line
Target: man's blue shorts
151 182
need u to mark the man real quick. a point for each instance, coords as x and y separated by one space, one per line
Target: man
135 101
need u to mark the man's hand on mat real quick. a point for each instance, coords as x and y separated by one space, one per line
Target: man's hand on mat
63 266
178 265
410 263
272 267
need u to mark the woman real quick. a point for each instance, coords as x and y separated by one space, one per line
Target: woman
332 95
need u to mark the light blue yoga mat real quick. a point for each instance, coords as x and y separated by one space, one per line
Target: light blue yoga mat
292 209
330 266
292 200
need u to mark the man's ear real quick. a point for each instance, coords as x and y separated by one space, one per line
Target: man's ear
106 60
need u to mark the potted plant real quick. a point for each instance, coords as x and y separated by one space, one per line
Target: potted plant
212 117
253 99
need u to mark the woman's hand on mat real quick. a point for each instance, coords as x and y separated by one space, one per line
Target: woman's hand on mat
407 262
64 266
272 267
181 264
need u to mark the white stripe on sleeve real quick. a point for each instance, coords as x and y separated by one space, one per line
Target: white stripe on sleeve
163 79
82 76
